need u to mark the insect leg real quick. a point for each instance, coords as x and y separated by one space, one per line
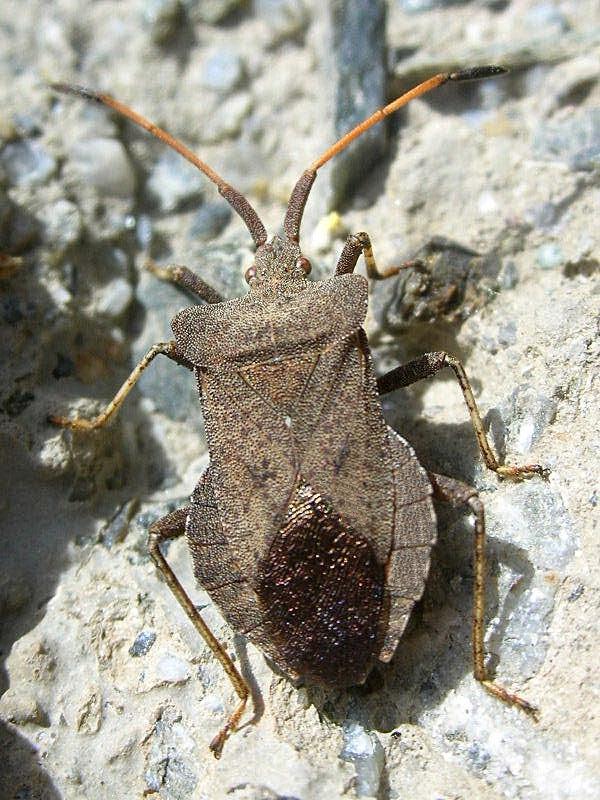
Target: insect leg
184 277
427 365
358 243
170 527
461 494
81 424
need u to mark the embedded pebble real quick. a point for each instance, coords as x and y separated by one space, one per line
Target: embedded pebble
173 181
164 18
212 11
210 219
144 231
227 119
223 71
172 669
547 15
62 223
142 643
364 750
574 140
509 275
27 163
507 334
549 256
117 528
170 766
287 19
104 164
526 414
113 298
417 6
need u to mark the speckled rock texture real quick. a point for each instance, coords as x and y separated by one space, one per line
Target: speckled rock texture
106 690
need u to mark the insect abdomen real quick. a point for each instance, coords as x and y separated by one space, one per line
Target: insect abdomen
324 591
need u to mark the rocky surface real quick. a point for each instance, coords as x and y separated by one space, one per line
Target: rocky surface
106 691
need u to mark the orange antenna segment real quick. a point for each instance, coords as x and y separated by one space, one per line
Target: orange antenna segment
107 100
432 83
233 197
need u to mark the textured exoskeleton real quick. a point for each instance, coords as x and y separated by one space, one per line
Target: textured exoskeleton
312 527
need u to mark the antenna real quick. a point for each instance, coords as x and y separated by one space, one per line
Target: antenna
235 199
299 196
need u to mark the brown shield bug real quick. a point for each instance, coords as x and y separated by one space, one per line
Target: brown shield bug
312 527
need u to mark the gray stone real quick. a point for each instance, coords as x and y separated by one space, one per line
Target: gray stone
103 164
169 763
171 389
547 15
364 750
144 231
574 140
164 18
549 256
142 644
62 223
223 71
287 19
520 632
525 416
226 119
509 275
174 182
113 299
27 163
210 220
211 11
171 669
117 528
418 6
359 62
507 333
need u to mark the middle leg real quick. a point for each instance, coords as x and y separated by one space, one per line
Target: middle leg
427 365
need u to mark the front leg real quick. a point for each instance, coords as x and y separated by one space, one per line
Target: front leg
81 424
427 365
358 243
184 277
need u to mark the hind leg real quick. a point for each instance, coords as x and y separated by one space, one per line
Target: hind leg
171 527
460 494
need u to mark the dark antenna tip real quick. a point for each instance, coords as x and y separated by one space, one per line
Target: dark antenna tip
80 91
477 73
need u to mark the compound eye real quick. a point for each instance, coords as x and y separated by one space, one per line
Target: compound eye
304 264
250 274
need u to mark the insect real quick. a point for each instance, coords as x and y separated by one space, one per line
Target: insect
312 527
